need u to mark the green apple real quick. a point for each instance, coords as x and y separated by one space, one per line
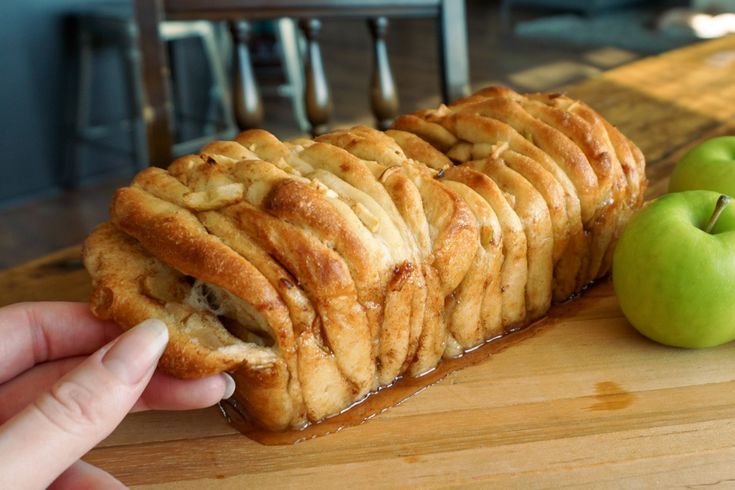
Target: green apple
674 270
709 165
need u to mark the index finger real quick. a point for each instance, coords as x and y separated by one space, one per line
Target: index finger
33 333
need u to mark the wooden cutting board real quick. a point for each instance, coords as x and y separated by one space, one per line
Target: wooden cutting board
583 401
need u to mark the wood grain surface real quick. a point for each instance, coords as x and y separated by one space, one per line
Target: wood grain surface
584 402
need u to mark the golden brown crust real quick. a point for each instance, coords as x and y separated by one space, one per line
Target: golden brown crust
534 215
491 139
420 150
578 140
550 141
434 133
514 271
352 182
326 280
428 327
467 321
437 232
402 282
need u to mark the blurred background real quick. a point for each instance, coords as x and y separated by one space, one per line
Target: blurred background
71 85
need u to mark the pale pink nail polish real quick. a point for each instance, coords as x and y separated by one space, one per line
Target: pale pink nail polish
229 386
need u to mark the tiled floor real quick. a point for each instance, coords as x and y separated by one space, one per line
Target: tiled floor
43 225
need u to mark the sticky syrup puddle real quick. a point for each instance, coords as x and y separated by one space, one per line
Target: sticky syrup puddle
402 389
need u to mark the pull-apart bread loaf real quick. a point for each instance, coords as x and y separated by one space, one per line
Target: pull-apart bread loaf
317 271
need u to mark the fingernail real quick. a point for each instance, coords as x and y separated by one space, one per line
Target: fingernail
229 386
137 351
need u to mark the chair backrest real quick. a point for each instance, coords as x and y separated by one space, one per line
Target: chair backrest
449 14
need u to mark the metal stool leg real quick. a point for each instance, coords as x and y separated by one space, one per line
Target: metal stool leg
288 37
221 87
453 50
69 175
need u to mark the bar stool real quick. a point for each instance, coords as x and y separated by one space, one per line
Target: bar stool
114 25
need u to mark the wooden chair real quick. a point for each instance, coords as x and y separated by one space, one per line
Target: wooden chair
248 107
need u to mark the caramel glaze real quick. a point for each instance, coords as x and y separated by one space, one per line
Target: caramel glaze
403 388
611 396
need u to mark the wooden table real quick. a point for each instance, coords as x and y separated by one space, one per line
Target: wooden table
584 402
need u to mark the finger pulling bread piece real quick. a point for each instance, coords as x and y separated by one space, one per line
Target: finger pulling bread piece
130 285
176 237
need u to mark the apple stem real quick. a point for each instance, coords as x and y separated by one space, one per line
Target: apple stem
722 203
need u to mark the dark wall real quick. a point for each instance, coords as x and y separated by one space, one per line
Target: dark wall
38 57
32 94
30 112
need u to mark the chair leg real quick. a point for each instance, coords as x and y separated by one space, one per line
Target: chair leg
288 37
221 88
317 98
246 97
453 50
154 62
383 93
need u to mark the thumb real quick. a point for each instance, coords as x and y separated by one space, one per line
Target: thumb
80 410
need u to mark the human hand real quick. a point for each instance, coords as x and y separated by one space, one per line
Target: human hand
56 403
